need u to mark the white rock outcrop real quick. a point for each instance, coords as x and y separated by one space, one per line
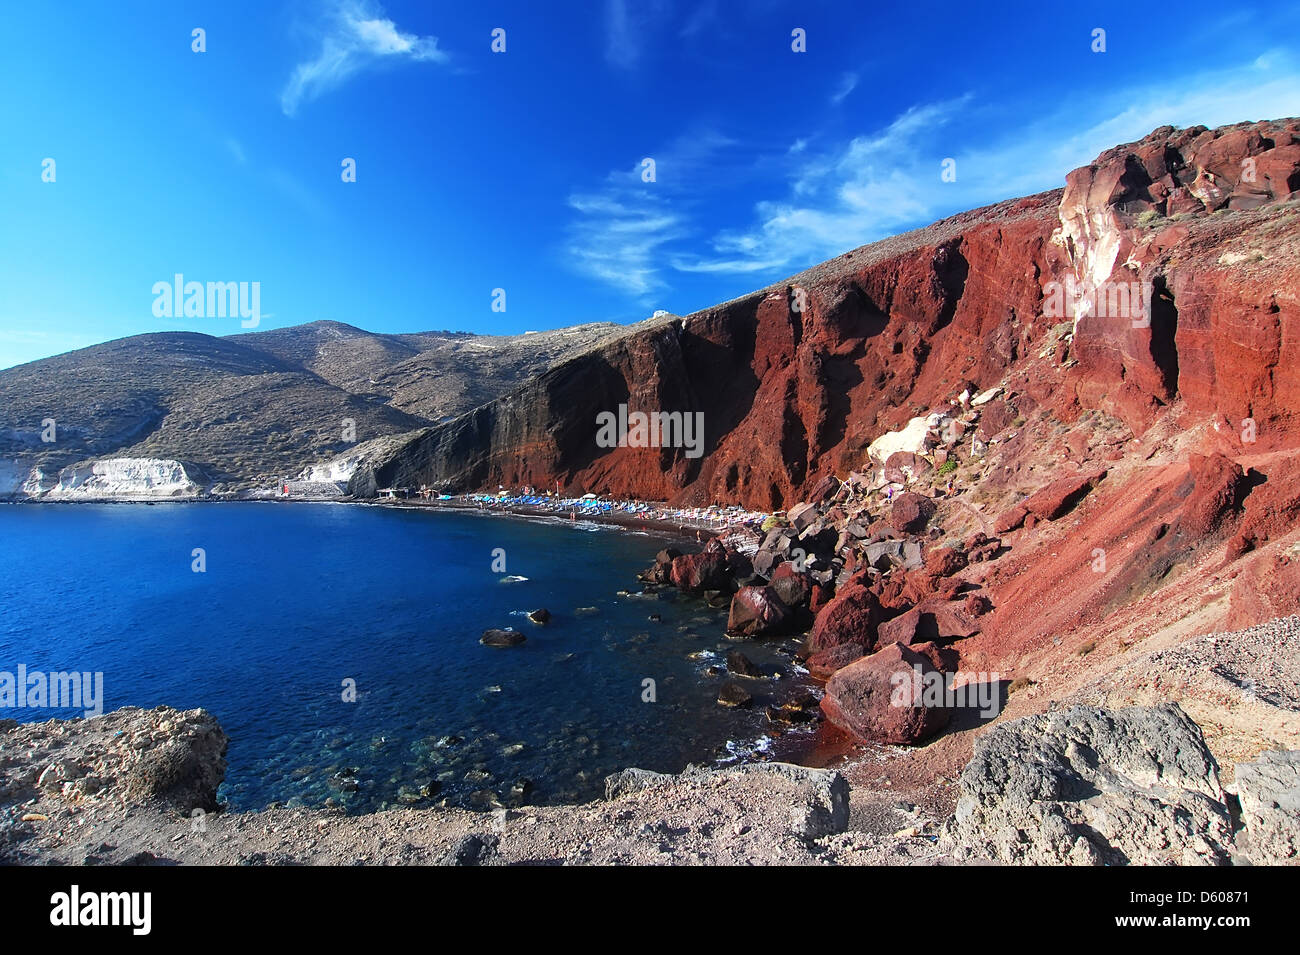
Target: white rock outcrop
124 478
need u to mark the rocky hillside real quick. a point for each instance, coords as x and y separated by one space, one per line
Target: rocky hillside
1197 229
246 410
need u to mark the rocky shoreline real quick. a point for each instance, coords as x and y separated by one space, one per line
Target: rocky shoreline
1078 785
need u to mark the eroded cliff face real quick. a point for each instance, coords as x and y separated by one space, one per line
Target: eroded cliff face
796 380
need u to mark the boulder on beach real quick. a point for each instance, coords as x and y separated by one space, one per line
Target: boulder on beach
883 698
757 611
933 619
502 638
695 573
794 587
825 663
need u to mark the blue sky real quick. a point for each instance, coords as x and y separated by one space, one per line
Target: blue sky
522 170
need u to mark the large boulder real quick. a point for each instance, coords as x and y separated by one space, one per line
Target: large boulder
824 663
852 616
910 513
801 516
1061 495
930 620
1086 786
1269 792
1217 485
883 698
757 611
695 573
185 769
794 587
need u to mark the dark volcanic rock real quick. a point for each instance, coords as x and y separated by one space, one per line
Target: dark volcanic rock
741 665
792 586
502 638
732 694
1084 786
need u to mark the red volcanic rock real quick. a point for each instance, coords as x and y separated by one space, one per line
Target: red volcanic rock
851 617
696 573
821 596
792 586
1061 495
789 397
995 417
1268 587
882 698
757 611
1010 519
1216 333
944 659
910 513
1218 483
824 490
933 619
944 561
824 663
802 515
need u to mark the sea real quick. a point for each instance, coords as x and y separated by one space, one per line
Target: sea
338 646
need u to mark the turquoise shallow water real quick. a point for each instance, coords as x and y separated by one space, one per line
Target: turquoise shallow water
298 598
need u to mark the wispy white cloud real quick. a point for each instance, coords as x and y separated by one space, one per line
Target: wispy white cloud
622 225
847 84
628 28
889 181
354 35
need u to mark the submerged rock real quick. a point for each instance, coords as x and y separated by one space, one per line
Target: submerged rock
502 638
741 665
732 694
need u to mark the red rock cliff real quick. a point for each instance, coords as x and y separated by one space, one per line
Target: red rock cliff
795 381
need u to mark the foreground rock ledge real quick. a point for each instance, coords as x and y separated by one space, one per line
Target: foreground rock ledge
120 789
1074 786
1087 786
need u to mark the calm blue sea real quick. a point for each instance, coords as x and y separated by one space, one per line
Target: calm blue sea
298 598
